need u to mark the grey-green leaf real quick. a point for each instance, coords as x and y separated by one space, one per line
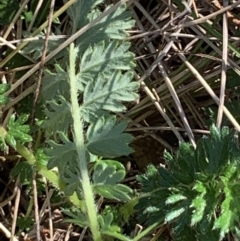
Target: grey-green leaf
61 154
105 58
58 115
108 172
118 192
106 138
54 83
113 26
108 93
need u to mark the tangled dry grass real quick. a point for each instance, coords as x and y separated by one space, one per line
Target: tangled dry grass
188 60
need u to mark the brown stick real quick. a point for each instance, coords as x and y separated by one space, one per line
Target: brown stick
204 19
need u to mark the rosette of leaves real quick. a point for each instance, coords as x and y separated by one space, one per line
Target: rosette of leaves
198 191
17 131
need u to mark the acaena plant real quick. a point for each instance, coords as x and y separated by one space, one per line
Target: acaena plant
197 193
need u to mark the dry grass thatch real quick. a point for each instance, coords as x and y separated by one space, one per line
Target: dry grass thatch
187 52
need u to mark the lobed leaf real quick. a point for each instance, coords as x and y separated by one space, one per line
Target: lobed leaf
106 176
113 26
226 220
106 138
59 116
77 13
54 84
105 58
24 170
61 154
108 172
72 179
17 131
109 93
173 214
77 217
117 192
35 48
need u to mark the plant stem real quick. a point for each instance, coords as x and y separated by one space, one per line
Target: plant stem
79 142
50 175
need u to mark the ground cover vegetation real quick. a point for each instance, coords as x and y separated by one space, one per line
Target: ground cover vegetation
119 120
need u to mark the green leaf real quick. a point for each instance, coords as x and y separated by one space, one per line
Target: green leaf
109 93
77 12
117 192
233 79
174 214
149 180
35 48
77 217
23 169
54 83
199 203
8 9
175 198
105 58
106 138
187 234
17 131
10 140
59 116
3 145
72 179
41 158
4 88
64 157
113 26
25 223
108 172
226 220
61 154
109 228
168 180
127 210
4 99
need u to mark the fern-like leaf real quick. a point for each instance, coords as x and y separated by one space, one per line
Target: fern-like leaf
106 176
113 26
109 93
106 138
77 12
104 59
54 84
17 131
58 114
61 154
35 48
76 217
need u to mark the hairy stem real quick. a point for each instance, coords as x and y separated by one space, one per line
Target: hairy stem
50 175
79 142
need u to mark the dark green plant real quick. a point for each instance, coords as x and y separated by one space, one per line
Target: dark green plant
8 9
3 98
198 191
